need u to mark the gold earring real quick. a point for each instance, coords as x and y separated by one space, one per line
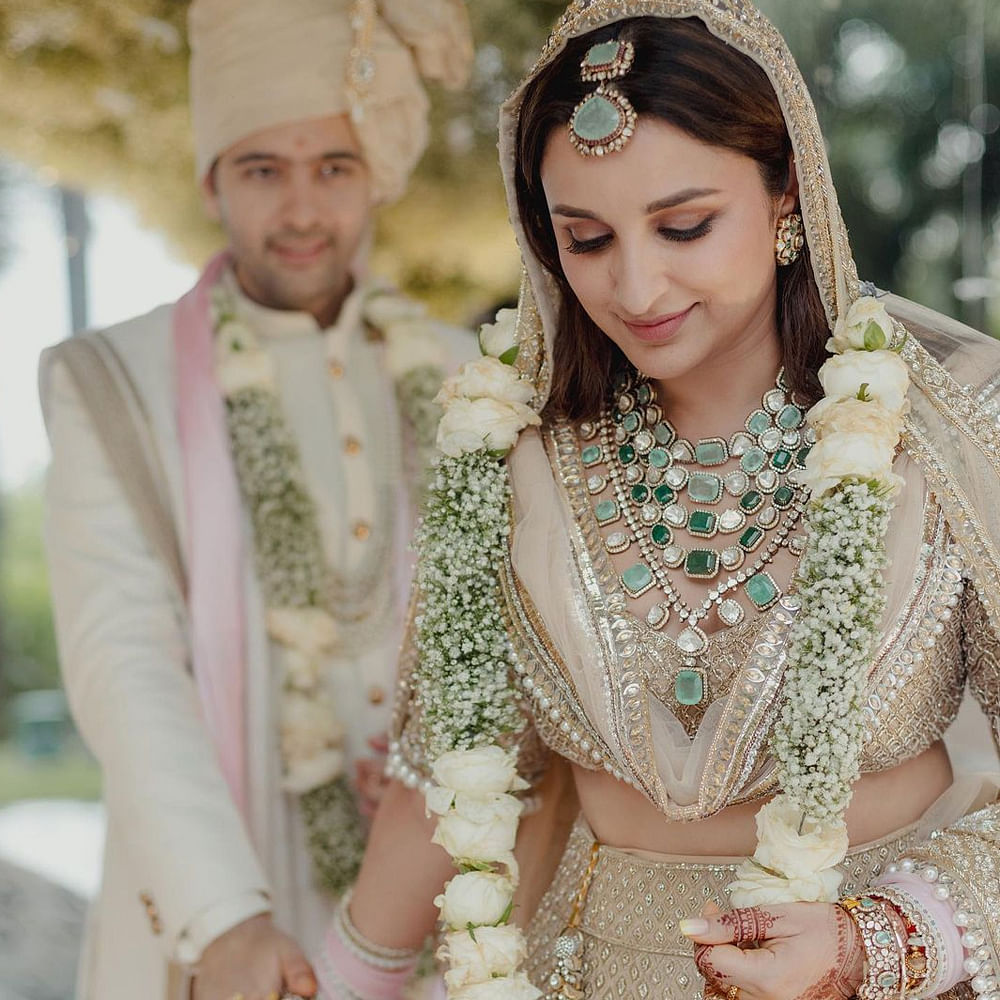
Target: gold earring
789 239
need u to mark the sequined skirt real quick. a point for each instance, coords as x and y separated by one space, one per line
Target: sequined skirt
632 948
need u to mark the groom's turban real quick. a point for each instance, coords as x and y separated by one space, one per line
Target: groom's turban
260 63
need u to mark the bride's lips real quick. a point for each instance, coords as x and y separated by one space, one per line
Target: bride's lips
659 328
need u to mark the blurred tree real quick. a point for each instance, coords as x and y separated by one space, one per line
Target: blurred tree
95 91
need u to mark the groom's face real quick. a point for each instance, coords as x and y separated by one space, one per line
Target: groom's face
295 201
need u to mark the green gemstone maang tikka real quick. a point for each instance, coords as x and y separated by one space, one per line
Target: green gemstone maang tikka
604 120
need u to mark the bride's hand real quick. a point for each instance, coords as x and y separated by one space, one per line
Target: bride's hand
791 951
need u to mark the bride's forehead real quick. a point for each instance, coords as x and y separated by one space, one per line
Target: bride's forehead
658 156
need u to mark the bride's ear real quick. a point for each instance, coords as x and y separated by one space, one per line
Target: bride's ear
789 200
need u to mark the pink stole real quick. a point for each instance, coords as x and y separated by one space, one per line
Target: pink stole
214 541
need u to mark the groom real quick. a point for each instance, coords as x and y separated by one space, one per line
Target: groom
235 696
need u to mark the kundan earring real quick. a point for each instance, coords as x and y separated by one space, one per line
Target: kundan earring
789 239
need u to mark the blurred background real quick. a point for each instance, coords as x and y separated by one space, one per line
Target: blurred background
99 220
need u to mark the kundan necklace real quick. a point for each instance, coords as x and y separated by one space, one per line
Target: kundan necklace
654 480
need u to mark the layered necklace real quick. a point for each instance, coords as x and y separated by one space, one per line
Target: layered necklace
659 487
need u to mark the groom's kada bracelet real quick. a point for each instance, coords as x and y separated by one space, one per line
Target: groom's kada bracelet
884 950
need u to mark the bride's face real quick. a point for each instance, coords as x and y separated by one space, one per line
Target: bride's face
669 246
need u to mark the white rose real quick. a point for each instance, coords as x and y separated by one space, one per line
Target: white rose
301 672
311 630
782 847
303 775
494 951
413 344
486 378
309 726
475 898
470 425
855 416
480 772
883 373
755 887
841 456
386 307
866 326
516 987
480 829
499 338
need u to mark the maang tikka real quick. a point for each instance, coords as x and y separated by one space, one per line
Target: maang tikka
605 119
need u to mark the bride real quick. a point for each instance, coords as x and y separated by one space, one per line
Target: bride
749 563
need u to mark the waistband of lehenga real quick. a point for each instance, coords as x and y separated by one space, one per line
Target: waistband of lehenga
637 900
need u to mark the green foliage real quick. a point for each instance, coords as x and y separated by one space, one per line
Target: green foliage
71 775
28 657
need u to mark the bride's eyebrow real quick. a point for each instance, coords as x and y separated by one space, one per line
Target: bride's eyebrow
670 201
673 200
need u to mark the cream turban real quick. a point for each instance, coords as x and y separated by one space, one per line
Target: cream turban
260 63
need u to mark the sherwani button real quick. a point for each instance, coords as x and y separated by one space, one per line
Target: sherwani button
376 694
335 368
362 531
352 445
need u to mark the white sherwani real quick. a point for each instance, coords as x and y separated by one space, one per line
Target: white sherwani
180 865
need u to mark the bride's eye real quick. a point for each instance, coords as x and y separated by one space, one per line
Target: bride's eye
686 235
586 246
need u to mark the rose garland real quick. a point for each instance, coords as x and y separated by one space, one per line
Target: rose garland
294 577
801 833
463 677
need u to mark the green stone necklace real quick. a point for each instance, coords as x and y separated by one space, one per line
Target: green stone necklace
653 491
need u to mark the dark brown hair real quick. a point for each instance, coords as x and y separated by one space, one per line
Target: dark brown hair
696 82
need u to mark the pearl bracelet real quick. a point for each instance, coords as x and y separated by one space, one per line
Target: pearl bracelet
978 961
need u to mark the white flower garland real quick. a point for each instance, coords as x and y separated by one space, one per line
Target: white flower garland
801 833
293 574
463 677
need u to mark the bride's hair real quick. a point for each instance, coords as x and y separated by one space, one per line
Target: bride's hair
696 82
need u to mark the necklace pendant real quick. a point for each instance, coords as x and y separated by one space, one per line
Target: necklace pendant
762 590
591 455
637 580
711 451
766 480
731 558
758 422
768 517
703 523
731 613
774 400
731 520
739 443
704 487
701 564
736 482
644 442
658 615
692 640
606 512
617 542
690 686
676 477
673 556
675 515
681 451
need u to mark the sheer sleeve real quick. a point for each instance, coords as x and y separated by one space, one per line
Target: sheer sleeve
981 647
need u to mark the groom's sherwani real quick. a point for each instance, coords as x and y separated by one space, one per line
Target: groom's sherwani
181 863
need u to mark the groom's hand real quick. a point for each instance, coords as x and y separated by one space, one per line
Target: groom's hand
253 961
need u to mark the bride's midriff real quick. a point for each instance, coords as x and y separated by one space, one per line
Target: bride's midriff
883 802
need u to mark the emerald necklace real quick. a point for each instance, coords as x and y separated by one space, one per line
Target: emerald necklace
667 498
